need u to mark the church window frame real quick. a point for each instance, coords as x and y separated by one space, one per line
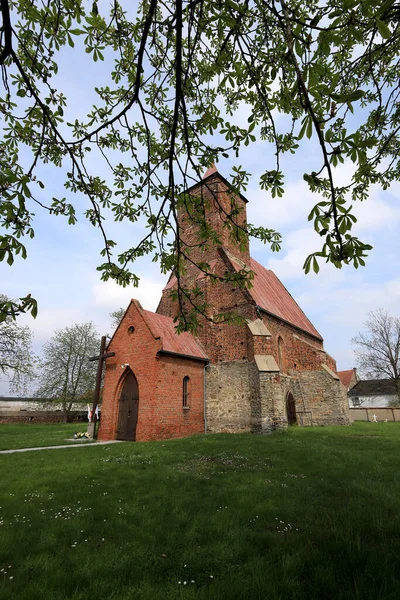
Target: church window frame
185 392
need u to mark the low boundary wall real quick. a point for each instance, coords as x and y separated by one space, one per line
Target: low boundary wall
24 416
366 414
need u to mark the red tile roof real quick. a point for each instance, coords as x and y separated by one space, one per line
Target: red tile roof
270 294
171 283
345 377
164 328
210 171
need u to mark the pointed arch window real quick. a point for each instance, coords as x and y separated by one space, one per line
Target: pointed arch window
185 392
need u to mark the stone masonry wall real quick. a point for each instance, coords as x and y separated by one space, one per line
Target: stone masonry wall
231 404
326 397
240 398
273 413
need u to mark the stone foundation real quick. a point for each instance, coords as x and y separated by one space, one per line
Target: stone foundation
242 398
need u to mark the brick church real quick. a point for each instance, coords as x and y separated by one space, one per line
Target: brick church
267 372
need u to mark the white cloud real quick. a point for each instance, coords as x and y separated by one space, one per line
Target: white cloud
380 210
50 319
295 205
288 265
111 296
376 213
341 314
351 305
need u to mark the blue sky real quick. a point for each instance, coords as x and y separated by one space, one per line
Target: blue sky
60 271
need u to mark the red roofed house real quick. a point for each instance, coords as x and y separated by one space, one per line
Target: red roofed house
349 378
265 373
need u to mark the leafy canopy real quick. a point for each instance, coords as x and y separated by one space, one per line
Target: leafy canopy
177 72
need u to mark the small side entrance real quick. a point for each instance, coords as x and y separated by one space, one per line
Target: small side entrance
128 409
291 409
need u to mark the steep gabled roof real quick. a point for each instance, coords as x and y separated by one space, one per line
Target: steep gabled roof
374 387
271 295
211 173
164 328
345 377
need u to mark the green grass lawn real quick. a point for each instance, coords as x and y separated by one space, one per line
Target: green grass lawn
307 514
36 435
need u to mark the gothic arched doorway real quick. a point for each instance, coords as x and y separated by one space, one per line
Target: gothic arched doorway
291 409
128 408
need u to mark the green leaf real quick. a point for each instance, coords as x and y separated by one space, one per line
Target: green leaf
383 29
307 265
309 128
351 97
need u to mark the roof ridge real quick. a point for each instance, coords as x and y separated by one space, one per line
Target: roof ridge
287 291
185 337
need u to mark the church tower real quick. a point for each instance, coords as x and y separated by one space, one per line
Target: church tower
214 233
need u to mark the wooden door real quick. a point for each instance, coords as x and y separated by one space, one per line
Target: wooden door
291 409
128 409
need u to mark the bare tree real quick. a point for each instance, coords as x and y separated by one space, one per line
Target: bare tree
17 361
66 373
116 317
378 349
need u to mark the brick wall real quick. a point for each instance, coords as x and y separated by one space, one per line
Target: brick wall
221 341
166 417
213 202
160 382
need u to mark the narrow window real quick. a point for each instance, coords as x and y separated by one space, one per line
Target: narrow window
280 353
185 398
